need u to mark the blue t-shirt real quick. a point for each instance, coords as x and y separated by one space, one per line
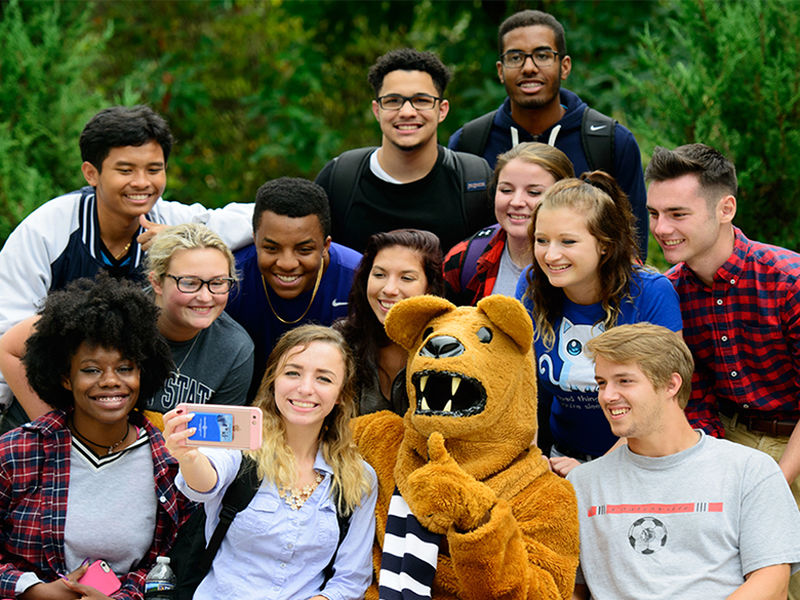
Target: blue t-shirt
566 374
248 305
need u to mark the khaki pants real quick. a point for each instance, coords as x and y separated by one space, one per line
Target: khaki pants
774 446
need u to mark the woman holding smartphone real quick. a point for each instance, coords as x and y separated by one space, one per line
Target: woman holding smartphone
397 264
92 478
280 545
584 279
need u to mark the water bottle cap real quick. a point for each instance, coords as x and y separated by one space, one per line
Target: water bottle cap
163 560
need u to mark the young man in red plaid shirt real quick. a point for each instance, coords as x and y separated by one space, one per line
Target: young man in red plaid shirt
740 301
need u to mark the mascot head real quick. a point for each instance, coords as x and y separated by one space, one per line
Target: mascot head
470 376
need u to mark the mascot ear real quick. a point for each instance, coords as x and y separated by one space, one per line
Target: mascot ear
511 317
407 318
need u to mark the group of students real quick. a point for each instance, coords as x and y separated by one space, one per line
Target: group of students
200 323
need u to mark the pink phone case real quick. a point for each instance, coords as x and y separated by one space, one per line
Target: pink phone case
100 576
243 423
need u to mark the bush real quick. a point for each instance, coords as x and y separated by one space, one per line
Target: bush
46 50
724 73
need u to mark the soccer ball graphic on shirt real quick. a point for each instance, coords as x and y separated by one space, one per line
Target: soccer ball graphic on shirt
647 535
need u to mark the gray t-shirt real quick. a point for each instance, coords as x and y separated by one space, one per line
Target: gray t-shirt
689 525
507 275
213 367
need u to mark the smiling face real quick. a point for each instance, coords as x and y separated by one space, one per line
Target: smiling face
634 408
397 272
568 254
307 384
131 180
529 86
291 252
409 129
105 386
182 314
686 227
520 186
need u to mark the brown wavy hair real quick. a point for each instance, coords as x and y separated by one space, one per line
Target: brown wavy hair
610 221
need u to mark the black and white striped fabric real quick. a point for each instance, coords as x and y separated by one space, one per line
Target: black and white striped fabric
409 556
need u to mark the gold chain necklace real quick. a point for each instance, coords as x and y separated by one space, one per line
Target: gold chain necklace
310 302
110 448
294 497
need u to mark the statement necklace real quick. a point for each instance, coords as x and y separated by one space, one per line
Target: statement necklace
294 497
310 302
110 448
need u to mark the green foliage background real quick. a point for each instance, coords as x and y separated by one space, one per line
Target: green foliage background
256 89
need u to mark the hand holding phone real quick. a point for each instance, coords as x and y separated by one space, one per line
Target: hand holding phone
100 576
223 426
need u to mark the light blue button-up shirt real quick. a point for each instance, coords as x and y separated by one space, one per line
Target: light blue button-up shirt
272 551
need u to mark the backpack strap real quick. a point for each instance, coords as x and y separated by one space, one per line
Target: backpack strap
238 495
475 134
597 138
344 525
475 247
347 169
473 174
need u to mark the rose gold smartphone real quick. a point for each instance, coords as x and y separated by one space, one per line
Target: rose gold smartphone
224 426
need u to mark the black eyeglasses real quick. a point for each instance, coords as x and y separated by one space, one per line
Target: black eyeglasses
418 101
541 57
190 284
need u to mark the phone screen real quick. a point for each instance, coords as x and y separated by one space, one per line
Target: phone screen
212 427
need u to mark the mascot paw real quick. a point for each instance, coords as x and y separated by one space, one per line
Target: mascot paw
441 494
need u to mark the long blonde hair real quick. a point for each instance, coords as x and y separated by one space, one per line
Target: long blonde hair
276 461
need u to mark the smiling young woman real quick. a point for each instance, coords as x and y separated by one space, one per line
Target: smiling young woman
585 279
191 272
311 472
396 265
107 490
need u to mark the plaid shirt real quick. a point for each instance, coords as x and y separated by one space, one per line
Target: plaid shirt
744 333
34 479
482 283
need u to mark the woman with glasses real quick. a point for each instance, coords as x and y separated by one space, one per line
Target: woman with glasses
191 271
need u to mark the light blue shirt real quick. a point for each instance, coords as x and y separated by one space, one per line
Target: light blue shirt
272 551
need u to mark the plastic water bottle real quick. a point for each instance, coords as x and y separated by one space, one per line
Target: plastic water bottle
160 581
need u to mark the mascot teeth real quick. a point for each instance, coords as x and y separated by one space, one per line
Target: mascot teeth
424 404
448 394
454 383
448 407
423 381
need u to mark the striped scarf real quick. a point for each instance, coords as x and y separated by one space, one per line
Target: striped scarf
410 551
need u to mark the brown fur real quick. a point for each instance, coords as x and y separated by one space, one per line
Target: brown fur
510 525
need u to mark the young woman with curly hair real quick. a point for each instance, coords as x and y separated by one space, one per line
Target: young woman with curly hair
585 279
92 478
396 264
279 546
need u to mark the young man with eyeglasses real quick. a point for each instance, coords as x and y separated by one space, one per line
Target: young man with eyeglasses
532 64
106 225
410 180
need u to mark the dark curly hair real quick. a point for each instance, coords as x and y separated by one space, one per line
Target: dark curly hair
408 59
104 312
362 330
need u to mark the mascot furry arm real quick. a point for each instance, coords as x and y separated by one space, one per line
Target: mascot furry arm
462 458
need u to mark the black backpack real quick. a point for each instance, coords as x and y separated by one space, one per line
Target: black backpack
190 557
471 169
597 137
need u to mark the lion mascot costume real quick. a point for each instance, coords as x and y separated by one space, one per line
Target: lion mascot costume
467 507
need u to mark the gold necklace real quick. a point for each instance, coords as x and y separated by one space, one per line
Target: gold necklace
310 302
294 497
110 448
124 251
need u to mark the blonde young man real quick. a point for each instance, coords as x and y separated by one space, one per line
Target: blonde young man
675 513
